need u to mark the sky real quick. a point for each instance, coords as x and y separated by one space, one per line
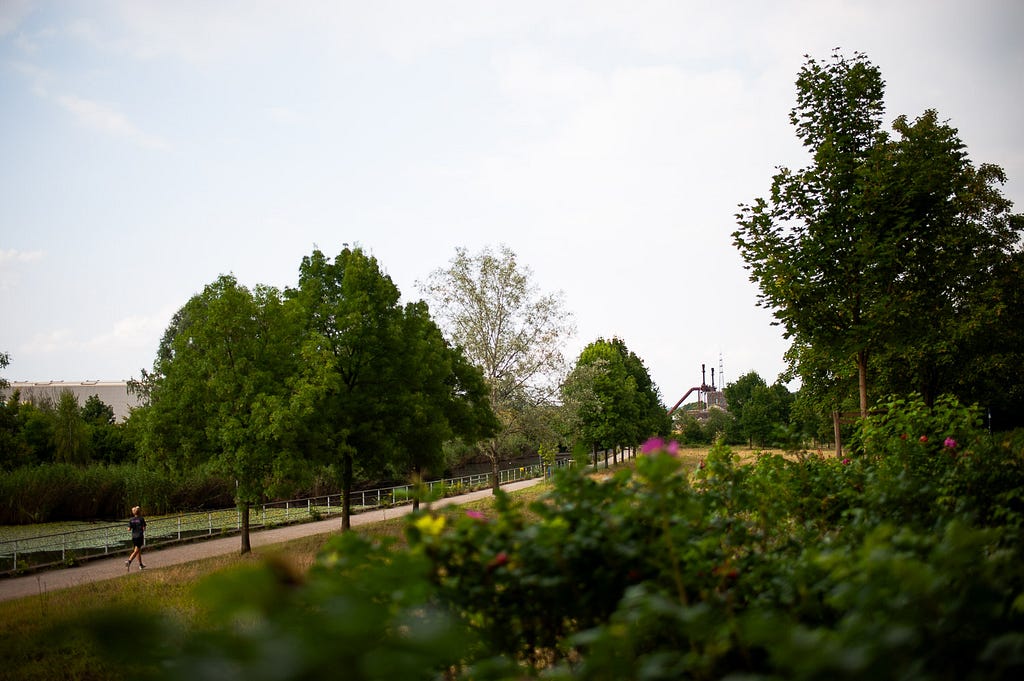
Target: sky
148 147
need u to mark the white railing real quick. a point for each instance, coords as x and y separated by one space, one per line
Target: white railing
66 548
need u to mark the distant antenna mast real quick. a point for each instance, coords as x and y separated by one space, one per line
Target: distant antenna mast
721 372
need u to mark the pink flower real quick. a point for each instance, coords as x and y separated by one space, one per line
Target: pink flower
846 462
923 438
950 443
652 445
476 515
498 561
656 444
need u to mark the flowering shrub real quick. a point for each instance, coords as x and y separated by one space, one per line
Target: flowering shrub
904 562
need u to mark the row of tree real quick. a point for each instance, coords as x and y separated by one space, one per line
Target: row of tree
263 385
59 430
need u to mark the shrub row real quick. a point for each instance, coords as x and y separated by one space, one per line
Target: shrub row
57 492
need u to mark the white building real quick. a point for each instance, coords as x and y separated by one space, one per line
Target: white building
112 393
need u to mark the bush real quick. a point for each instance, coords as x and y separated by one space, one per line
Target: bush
892 565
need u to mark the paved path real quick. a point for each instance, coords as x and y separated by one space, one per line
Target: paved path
111 568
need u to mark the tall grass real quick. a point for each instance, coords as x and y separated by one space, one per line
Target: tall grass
56 492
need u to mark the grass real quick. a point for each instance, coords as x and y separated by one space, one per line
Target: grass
38 639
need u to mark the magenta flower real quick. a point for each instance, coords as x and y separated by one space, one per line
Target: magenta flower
950 443
656 444
476 515
652 445
846 462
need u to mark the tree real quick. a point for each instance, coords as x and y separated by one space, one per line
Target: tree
808 247
653 419
96 412
759 409
70 438
612 419
5 361
443 396
218 384
623 406
954 289
378 385
869 250
489 307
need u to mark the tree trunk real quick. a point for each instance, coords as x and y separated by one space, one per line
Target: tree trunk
839 441
495 482
246 546
862 379
346 492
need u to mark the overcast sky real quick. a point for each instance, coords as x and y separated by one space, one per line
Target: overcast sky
148 147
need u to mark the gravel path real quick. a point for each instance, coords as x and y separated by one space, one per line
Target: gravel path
111 568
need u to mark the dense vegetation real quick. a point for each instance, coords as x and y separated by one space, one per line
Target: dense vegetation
904 562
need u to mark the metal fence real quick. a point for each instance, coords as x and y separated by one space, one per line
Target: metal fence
68 548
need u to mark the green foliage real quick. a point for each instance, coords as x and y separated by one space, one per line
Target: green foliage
804 569
55 492
609 398
491 310
377 385
759 410
889 252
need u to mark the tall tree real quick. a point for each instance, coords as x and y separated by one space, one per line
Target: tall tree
443 396
854 251
806 246
624 406
490 308
950 236
613 419
378 386
70 437
220 379
653 418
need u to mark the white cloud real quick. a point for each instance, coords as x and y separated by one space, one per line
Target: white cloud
132 332
16 256
9 260
107 119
